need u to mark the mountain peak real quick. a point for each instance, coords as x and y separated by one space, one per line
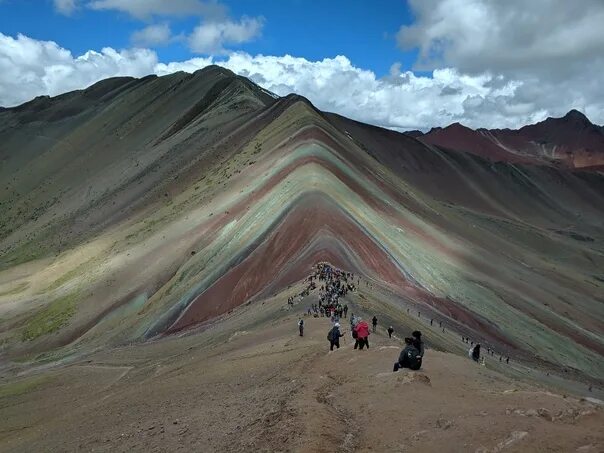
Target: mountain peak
214 69
414 133
457 125
576 115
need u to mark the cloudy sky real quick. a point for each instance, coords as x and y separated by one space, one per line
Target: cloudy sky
397 64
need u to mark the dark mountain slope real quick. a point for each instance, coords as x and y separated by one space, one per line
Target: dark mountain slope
111 149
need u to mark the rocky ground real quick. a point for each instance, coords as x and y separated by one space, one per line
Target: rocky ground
248 382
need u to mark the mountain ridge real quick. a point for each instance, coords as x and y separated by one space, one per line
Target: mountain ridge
167 202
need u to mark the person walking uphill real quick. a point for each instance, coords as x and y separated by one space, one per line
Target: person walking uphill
390 331
362 335
374 323
334 336
301 327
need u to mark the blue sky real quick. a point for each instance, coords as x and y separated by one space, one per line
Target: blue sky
364 31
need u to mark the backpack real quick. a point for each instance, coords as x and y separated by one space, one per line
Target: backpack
415 363
415 360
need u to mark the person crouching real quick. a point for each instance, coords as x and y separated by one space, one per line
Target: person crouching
409 358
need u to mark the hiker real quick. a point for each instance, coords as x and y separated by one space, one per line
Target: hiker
507 361
474 352
409 357
418 344
334 336
336 317
390 332
362 332
345 310
417 341
301 327
374 323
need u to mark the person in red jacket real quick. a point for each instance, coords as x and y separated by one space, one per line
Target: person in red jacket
362 335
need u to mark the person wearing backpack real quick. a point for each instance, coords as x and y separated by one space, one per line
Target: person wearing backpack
301 327
362 338
334 336
409 357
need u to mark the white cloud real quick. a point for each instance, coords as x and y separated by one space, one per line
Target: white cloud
66 7
152 35
506 37
212 37
30 68
551 51
402 99
144 9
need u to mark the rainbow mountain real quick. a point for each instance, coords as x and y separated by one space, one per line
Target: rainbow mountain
142 208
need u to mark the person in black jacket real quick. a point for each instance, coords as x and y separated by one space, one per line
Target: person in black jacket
474 352
417 342
334 336
374 323
409 357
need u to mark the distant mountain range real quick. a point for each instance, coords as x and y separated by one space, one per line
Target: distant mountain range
571 141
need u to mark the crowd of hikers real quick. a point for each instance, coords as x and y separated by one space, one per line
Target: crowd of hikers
333 284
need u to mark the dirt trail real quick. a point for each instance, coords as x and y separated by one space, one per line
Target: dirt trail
250 383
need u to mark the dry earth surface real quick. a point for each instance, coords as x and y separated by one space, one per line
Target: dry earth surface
248 382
